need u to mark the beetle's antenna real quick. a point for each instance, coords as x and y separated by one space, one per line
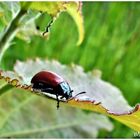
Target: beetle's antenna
76 95
79 94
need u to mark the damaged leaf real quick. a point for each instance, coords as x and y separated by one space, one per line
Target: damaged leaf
26 26
55 8
100 96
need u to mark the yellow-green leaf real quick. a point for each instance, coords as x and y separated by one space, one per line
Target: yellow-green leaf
52 8
74 9
55 8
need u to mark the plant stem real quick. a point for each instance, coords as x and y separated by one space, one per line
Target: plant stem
10 33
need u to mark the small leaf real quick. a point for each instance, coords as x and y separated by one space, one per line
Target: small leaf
100 96
55 8
26 26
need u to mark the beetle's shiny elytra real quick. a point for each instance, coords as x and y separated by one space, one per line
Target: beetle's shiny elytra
52 83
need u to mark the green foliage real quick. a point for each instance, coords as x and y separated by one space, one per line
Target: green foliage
111 44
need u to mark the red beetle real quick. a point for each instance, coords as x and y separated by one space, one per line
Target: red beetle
50 82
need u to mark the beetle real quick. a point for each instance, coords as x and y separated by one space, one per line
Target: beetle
50 82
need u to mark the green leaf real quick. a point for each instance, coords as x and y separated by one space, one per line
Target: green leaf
8 11
23 115
100 96
52 8
55 8
27 26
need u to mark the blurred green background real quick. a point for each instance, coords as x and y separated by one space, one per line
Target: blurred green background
111 44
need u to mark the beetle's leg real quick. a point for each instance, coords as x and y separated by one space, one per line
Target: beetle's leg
57 101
